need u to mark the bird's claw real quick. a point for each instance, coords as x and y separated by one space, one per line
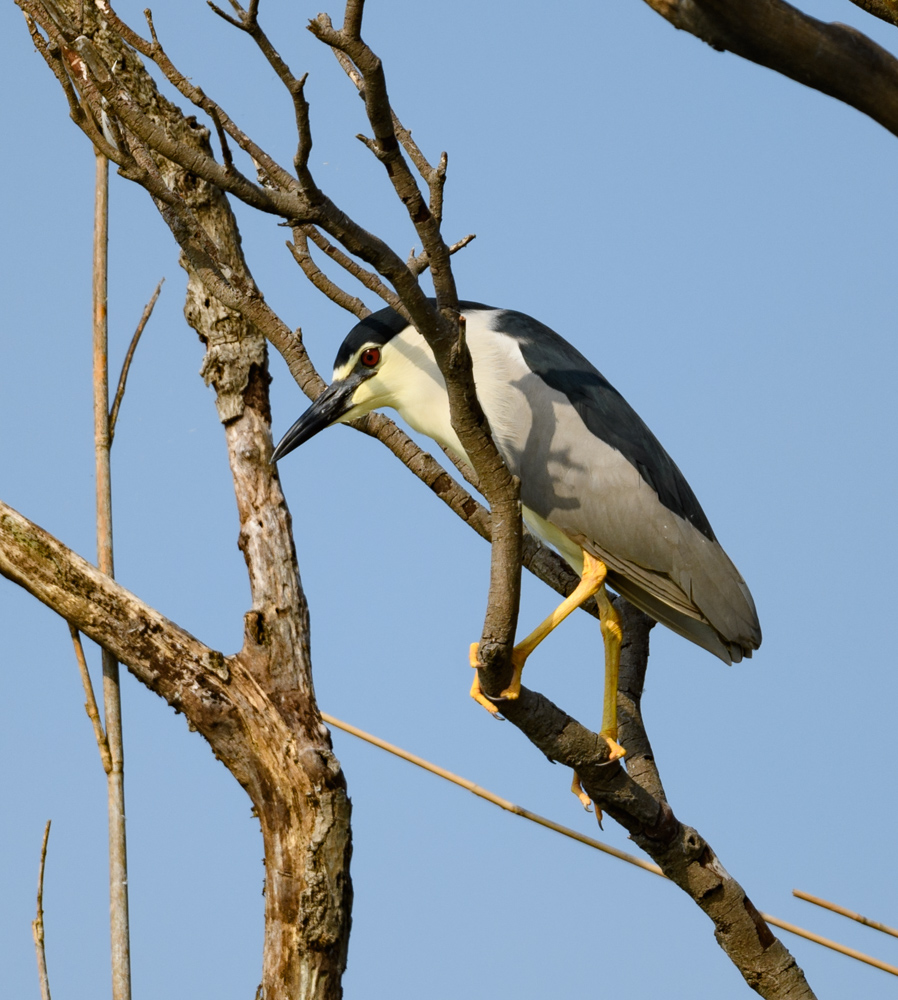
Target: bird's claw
476 691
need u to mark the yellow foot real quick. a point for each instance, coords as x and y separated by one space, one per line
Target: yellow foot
615 750
587 802
511 692
476 693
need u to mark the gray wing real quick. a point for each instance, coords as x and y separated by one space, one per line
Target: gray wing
656 550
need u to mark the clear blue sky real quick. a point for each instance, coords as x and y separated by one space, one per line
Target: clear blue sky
720 242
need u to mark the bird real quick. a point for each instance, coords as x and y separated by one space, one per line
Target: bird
595 482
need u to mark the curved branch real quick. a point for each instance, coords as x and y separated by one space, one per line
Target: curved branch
444 331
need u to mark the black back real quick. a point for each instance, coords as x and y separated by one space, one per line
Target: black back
604 411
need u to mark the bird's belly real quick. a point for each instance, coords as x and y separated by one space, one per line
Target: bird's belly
570 551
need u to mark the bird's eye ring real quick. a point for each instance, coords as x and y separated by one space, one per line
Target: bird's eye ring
370 357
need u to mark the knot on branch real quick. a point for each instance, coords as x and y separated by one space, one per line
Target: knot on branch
216 663
255 630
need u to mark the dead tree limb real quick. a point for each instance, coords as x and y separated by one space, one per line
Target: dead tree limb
833 58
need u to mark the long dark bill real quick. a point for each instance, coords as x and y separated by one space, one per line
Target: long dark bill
327 408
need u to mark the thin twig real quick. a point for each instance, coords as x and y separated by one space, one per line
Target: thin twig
226 156
37 925
90 704
126 365
566 831
237 23
842 911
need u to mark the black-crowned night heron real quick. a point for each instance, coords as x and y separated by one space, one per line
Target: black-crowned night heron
595 482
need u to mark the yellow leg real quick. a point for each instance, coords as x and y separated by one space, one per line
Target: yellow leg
592 580
613 635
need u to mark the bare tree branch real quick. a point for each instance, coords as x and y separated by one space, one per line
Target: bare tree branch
418 264
641 765
832 58
445 335
681 853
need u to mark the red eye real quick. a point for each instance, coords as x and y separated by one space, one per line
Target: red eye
370 357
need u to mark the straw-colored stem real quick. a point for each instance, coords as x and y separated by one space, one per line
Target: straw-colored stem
842 911
589 841
497 800
112 705
833 945
90 705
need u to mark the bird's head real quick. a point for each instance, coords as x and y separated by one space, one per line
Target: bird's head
383 362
